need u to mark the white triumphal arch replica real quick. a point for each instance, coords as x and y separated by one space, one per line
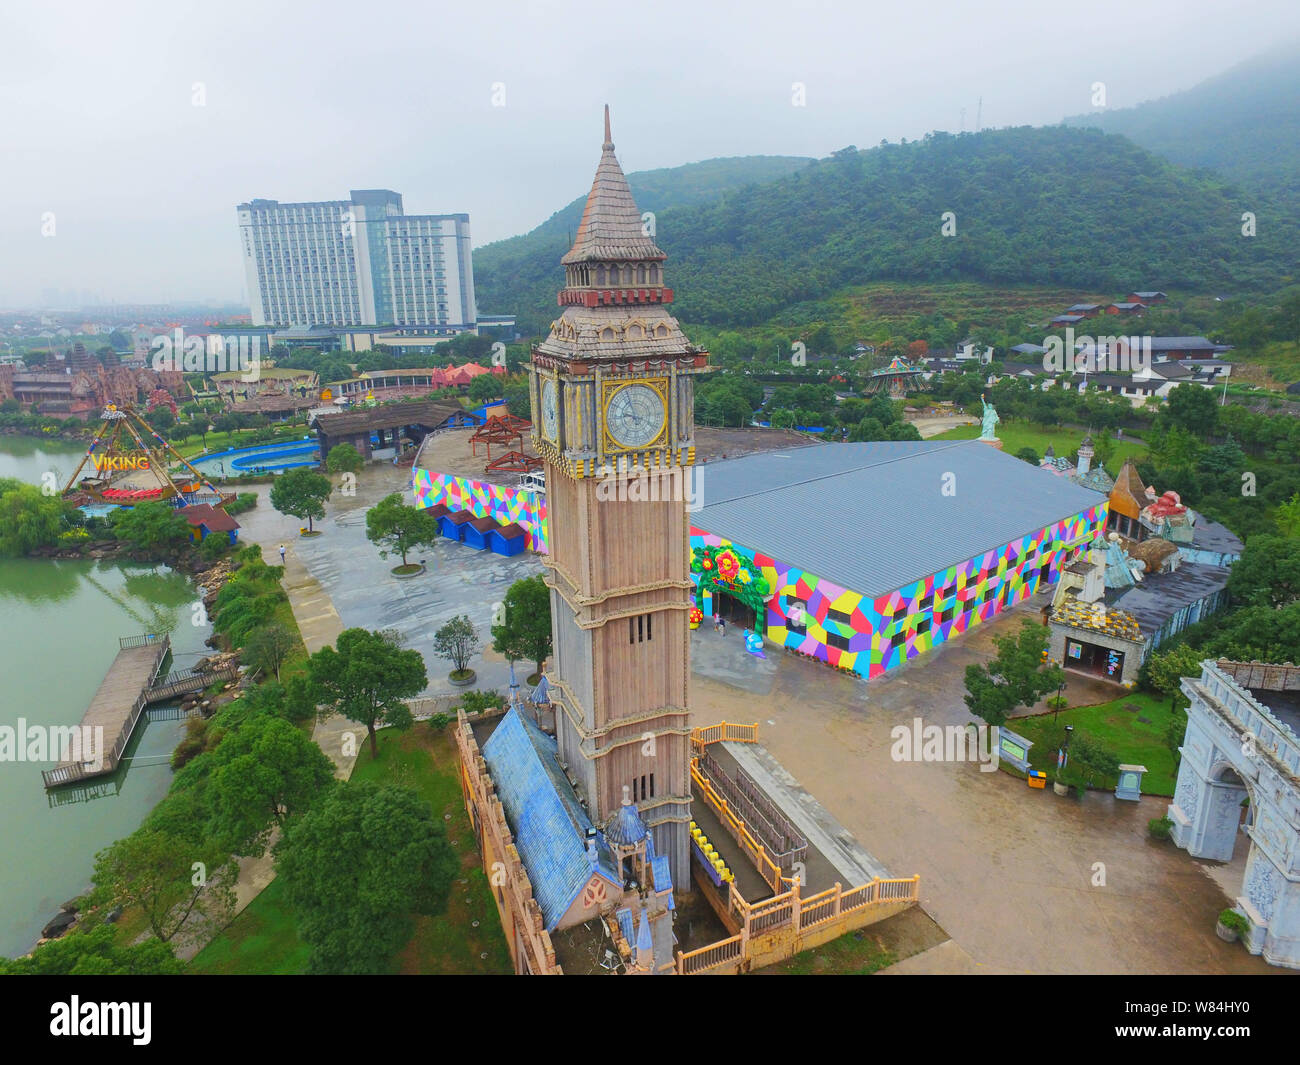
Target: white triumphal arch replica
1241 742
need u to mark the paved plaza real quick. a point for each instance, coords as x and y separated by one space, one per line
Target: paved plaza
357 590
1008 872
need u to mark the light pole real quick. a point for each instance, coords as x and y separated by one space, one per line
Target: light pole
1057 705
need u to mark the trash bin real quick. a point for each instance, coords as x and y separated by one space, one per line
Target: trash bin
1037 778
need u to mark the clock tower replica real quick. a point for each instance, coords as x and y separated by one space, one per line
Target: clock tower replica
613 394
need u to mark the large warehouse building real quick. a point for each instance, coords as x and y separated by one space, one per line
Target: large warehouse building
867 555
860 555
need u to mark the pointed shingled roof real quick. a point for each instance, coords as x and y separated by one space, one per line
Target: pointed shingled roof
611 227
1128 497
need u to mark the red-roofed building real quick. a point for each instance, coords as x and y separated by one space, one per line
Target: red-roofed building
205 519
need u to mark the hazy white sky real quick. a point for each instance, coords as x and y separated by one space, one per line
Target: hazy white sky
304 101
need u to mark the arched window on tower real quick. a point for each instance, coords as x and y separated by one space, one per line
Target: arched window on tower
600 275
640 274
654 273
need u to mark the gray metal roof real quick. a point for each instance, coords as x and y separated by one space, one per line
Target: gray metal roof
873 517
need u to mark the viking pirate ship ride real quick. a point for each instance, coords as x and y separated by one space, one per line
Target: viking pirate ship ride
130 463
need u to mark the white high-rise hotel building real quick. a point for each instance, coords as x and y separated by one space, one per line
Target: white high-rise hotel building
357 262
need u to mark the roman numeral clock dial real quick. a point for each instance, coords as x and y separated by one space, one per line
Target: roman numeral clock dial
635 416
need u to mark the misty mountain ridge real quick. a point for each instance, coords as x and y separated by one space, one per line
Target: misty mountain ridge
1052 205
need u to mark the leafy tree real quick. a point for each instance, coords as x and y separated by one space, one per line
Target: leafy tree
1167 668
485 387
1256 633
526 629
155 871
301 492
1090 759
150 525
214 546
95 952
355 913
1014 677
1029 455
263 773
518 400
28 518
1192 408
1268 572
399 527
365 677
268 647
457 640
1288 516
344 458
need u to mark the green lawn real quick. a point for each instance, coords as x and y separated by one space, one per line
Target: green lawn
1016 434
1119 725
263 939
427 762
854 954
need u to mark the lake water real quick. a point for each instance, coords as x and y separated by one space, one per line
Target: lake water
62 621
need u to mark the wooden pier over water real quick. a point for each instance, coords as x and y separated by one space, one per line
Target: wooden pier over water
133 682
117 706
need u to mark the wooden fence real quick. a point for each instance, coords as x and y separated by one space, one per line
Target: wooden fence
787 919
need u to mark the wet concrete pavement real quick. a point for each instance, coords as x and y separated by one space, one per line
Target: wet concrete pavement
360 592
1023 880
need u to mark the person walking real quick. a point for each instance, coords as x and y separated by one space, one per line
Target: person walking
282 554
721 625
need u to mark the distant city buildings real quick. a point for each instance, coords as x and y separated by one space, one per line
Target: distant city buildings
357 262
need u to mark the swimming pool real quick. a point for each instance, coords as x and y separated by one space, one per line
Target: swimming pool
262 458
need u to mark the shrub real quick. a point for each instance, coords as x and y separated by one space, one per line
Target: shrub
242 502
439 722
1234 922
214 546
478 701
193 744
1160 827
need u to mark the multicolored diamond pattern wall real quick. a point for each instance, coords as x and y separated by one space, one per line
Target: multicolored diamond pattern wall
815 617
483 499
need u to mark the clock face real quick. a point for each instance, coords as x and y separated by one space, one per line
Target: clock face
550 411
635 415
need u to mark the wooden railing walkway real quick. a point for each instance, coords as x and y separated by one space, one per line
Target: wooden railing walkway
795 916
787 922
785 846
185 681
114 710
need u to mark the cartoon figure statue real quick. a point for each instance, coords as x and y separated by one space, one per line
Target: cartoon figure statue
754 643
990 420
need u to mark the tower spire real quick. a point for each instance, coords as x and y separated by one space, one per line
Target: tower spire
609 140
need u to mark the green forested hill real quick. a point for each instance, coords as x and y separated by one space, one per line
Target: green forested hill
1243 124
518 275
1051 206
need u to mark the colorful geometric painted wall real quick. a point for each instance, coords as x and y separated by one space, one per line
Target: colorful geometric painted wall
483 499
815 617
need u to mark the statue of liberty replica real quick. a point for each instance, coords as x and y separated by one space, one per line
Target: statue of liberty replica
990 420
